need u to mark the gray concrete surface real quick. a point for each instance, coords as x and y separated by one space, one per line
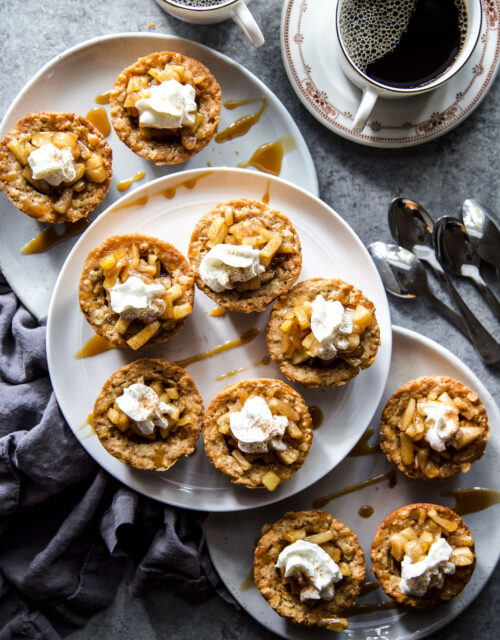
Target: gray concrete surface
357 181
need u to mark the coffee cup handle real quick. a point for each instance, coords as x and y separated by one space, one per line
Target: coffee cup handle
364 110
245 20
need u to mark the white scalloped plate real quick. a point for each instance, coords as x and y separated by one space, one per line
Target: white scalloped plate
330 248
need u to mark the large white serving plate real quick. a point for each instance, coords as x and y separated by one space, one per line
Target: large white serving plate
72 81
231 540
330 249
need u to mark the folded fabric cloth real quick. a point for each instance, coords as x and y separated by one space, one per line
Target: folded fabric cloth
69 532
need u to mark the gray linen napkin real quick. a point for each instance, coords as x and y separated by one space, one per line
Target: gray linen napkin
69 532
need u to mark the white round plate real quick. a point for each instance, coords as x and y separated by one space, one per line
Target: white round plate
330 248
231 540
311 51
72 81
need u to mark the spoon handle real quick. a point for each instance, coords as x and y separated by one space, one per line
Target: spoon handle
486 292
486 346
452 317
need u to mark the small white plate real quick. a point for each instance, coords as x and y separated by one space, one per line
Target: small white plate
72 81
231 539
330 248
311 52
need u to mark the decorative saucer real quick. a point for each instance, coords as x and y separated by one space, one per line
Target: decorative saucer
310 53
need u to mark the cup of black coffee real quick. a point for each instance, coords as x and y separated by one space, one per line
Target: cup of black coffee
213 11
401 48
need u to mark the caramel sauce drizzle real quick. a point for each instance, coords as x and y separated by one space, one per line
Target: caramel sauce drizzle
103 98
88 421
99 118
248 582
368 587
48 238
159 454
390 476
123 185
362 448
217 312
170 192
248 336
268 157
316 416
366 511
94 347
139 202
229 374
243 125
473 499
265 197
363 609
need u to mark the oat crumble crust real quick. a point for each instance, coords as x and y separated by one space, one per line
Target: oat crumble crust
93 302
217 444
285 267
388 570
473 412
25 196
268 579
168 146
344 367
129 448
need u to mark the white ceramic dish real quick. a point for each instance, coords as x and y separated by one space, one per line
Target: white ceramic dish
72 81
231 539
311 54
329 247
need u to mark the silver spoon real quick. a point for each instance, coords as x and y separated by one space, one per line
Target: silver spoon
404 276
482 231
457 255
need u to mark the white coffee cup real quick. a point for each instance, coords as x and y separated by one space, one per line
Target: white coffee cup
215 11
372 89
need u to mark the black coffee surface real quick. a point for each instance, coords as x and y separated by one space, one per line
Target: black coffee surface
428 46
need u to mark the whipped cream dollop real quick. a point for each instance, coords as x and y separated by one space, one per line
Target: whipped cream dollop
171 105
226 264
52 164
330 324
142 404
419 577
308 561
256 429
134 299
441 423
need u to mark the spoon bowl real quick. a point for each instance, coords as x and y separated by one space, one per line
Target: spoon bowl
483 232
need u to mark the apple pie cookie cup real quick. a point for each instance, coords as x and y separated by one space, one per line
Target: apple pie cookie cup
405 537
434 427
283 593
146 260
294 347
264 469
165 145
267 234
78 146
173 390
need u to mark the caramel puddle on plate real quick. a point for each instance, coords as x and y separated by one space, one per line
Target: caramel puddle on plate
473 499
217 312
88 423
123 185
248 582
229 374
94 347
243 125
390 476
366 511
316 416
103 98
248 336
99 118
48 238
362 448
368 587
170 192
268 156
